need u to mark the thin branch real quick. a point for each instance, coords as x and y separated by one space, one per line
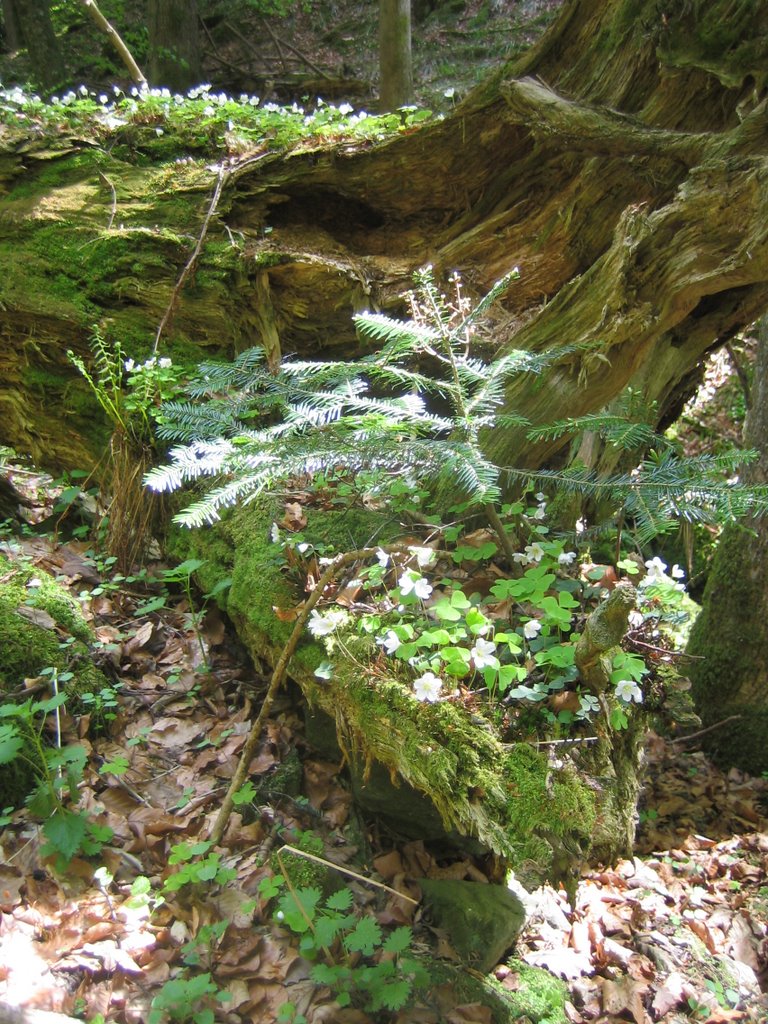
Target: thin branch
113 212
192 261
345 871
302 57
710 728
278 675
137 75
741 373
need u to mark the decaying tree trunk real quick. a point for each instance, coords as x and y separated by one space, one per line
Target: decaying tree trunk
628 189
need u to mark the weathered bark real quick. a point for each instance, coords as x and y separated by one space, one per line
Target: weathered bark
33 19
11 30
629 191
395 67
729 639
174 47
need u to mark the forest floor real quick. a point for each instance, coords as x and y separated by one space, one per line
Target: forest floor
677 933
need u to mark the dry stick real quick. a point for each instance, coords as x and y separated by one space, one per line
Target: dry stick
113 211
501 533
298 53
276 41
191 262
278 675
344 871
137 75
710 728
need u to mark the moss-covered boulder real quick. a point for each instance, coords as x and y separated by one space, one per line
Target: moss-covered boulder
540 816
41 627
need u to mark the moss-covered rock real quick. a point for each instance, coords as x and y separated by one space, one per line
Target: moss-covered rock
481 921
508 797
41 627
539 997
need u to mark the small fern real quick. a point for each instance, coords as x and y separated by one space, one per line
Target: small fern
258 429
248 429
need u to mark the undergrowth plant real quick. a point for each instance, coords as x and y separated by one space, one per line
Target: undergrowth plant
58 771
402 427
350 952
129 394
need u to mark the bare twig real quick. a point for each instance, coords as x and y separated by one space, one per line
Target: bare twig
137 75
276 41
278 675
302 57
741 373
192 261
343 871
113 212
710 728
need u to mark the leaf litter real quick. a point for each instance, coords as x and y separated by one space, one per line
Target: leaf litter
677 933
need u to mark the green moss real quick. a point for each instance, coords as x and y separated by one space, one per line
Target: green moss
539 999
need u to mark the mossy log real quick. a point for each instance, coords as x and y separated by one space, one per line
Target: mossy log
540 813
628 190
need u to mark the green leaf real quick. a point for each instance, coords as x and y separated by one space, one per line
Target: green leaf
393 995
65 832
341 900
365 937
398 941
10 743
244 795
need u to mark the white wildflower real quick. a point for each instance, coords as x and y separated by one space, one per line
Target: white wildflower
531 629
274 533
382 558
677 573
566 558
534 552
636 619
482 654
165 363
411 582
656 568
427 687
424 556
390 641
541 496
628 691
581 525
129 365
323 625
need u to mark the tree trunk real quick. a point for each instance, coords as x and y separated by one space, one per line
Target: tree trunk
34 22
174 46
395 69
627 189
730 636
11 30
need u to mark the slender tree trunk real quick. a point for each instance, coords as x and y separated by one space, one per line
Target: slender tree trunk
730 635
11 28
174 47
396 85
34 22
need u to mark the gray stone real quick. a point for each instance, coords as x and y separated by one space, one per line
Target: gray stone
481 921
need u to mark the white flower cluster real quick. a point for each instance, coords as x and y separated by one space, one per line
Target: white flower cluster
149 364
656 572
326 623
627 690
